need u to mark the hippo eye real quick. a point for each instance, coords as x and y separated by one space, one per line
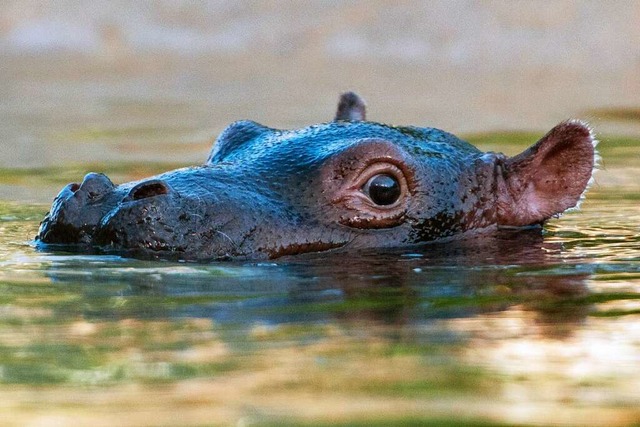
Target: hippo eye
382 189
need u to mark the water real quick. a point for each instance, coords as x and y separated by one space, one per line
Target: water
517 329
521 328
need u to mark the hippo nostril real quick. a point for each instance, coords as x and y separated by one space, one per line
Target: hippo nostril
148 189
74 186
96 185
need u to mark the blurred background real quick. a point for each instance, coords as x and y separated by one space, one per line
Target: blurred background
123 81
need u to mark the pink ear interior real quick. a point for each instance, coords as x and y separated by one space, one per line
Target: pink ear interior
550 177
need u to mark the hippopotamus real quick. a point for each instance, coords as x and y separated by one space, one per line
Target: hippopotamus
343 185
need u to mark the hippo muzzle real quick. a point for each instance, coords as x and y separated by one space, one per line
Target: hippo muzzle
349 183
149 218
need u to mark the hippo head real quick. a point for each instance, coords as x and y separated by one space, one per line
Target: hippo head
264 193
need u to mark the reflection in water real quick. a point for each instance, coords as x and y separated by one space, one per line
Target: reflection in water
515 328
385 288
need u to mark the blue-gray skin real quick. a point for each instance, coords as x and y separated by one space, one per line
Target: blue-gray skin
265 193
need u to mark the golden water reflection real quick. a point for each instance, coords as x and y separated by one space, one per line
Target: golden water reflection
524 330
573 371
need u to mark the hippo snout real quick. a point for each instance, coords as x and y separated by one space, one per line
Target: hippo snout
149 216
77 210
80 212
96 185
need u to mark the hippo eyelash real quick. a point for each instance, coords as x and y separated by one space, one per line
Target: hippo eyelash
377 168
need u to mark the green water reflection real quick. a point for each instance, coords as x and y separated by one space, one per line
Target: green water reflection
502 333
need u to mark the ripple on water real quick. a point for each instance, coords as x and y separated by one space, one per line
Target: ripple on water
514 324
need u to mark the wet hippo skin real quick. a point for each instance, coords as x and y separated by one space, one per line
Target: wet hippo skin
338 186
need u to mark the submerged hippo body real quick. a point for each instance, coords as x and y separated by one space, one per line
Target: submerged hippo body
265 193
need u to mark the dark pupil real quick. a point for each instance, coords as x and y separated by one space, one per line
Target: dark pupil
384 190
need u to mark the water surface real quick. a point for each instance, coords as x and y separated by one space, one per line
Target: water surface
515 329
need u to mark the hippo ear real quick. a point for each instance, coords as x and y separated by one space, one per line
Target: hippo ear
234 136
548 178
351 107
